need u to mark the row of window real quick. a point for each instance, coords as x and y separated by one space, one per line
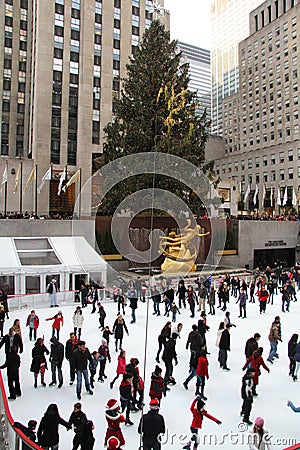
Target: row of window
264 161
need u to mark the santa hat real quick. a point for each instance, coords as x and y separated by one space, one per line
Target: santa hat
113 443
112 404
154 404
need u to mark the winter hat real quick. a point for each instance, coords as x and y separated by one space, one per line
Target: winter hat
259 422
200 404
53 340
154 404
112 404
157 370
104 341
113 443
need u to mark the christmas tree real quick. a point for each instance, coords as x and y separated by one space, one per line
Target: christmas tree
156 112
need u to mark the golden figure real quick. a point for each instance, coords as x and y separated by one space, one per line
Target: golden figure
179 251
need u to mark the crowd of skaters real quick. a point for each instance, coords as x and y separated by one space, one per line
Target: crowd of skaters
200 295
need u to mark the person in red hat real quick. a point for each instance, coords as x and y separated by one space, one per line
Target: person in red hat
113 443
114 419
198 411
151 426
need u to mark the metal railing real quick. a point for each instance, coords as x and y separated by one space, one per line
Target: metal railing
11 438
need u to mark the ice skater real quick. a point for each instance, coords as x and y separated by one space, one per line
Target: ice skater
198 411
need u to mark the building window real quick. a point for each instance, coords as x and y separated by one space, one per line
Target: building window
291 173
281 175
291 155
281 157
250 163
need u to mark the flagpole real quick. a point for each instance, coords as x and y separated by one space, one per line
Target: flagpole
21 186
50 193
35 189
6 190
79 193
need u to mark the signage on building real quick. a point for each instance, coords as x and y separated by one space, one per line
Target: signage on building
275 244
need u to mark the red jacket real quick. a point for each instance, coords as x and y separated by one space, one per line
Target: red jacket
58 321
198 416
202 367
121 367
255 364
36 321
113 428
263 295
157 383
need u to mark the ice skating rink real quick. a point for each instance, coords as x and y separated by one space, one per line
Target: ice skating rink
222 389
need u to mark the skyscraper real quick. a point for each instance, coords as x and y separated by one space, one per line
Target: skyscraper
229 26
200 74
61 66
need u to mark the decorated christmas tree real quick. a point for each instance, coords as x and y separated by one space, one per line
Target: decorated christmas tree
156 112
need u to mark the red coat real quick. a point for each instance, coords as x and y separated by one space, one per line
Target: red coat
36 321
160 383
113 428
58 321
202 367
263 296
255 364
121 367
198 416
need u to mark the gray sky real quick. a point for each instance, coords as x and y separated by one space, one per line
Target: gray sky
190 21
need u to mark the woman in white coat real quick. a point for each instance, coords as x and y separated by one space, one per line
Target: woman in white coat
260 438
78 320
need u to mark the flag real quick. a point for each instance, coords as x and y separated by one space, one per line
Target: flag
4 176
17 180
263 195
61 180
30 178
294 198
285 197
278 197
247 193
271 197
47 176
255 194
73 179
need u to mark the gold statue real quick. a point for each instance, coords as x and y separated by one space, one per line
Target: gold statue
179 251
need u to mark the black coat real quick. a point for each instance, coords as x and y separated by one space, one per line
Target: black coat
292 348
27 431
225 340
195 341
57 353
17 342
247 384
38 355
152 424
80 359
251 345
131 368
118 329
12 363
69 349
48 430
3 301
78 420
133 301
169 351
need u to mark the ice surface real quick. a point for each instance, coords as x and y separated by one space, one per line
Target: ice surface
222 389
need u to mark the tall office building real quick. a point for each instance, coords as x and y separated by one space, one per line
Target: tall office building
229 26
200 74
61 66
261 121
